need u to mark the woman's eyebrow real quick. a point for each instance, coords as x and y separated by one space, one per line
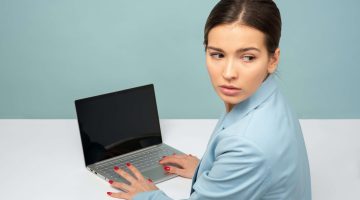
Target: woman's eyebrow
237 51
247 49
214 48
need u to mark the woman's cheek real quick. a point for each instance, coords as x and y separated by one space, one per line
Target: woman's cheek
214 73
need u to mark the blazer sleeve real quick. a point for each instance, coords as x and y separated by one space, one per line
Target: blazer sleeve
152 195
240 171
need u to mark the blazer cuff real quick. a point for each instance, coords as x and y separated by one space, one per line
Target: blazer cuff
151 195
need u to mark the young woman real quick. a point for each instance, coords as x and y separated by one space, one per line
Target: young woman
256 150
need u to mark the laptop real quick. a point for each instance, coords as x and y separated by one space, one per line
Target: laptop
121 127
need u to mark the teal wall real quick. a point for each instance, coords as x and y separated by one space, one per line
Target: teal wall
53 52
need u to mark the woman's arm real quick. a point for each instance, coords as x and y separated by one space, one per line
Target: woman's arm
240 171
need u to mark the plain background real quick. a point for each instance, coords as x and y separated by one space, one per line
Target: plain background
53 52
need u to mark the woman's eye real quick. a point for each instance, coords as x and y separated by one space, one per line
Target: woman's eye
217 55
248 58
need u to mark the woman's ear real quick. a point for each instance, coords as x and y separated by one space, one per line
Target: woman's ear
274 61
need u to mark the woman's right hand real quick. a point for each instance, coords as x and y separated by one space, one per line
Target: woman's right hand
185 165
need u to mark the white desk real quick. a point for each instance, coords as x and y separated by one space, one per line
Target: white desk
42 159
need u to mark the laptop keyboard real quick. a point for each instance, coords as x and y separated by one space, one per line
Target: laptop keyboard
142 160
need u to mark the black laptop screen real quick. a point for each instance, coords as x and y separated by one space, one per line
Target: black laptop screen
117 123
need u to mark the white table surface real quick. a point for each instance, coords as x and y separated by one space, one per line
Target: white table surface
42 159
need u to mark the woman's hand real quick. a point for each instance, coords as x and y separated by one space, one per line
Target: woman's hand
185 165
137 184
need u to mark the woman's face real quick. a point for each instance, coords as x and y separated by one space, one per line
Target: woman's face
238 61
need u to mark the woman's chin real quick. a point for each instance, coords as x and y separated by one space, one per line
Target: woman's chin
233 100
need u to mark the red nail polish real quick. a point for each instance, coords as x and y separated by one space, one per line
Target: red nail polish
167 168
174 153
111 181
163 156
116 168
109 193
150 180
128 164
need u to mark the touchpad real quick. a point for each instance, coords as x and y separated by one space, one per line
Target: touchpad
158 174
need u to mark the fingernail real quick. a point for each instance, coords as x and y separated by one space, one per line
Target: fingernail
190 155
174 153
116 168
128 164
163 156
109 193
111 181
150 180
167 168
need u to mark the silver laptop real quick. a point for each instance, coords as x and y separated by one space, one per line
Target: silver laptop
121 127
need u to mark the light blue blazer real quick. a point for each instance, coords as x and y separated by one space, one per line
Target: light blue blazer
256 151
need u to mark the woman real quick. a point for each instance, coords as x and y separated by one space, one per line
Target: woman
256 150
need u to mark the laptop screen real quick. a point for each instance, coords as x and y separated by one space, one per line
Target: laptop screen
117 123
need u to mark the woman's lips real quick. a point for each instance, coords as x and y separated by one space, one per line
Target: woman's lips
229 90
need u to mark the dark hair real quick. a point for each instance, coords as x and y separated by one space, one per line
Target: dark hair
262 15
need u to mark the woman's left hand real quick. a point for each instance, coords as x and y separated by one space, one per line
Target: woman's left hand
137 184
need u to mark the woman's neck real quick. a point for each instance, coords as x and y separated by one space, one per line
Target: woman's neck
229 107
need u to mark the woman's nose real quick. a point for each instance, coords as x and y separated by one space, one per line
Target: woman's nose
229 72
